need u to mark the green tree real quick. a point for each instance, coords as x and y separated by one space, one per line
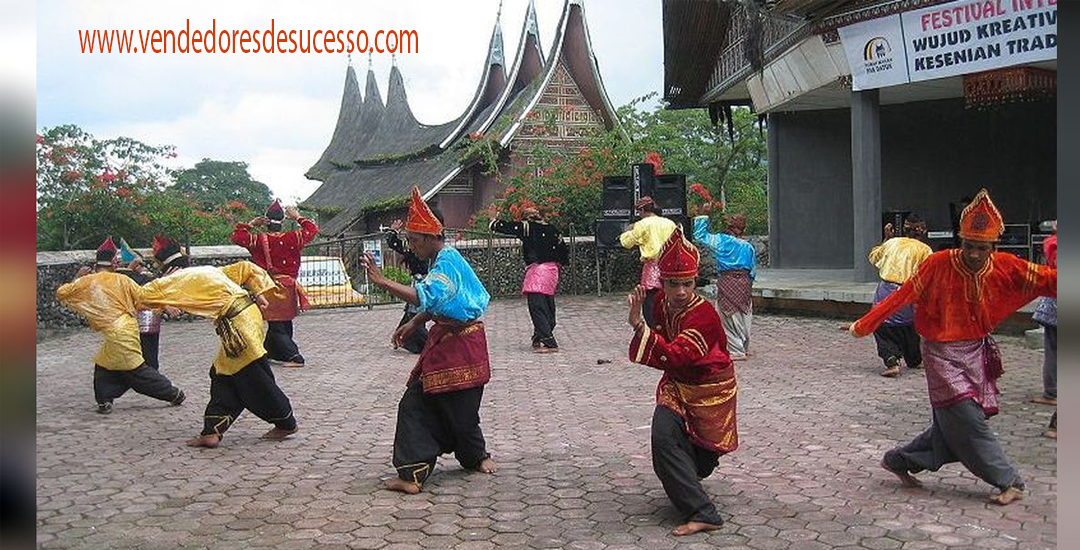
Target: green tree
213 183
89 188
567 186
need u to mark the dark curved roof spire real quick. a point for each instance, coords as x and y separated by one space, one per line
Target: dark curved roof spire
348 122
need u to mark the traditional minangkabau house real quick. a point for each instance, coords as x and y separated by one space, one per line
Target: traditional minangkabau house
379 151
944 98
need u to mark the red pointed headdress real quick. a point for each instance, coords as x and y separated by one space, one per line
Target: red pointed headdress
679 258
106 252
421 219
981 220
275 212
166 250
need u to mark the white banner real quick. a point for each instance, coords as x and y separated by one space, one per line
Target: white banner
978 35
950 39
875 53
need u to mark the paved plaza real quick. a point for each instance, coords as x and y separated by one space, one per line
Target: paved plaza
569 431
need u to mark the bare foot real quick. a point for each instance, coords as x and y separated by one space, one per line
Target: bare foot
402 486
891 372
1044 400
486 466
691 527
277 434
906 479
1051 433
1007 496
208 441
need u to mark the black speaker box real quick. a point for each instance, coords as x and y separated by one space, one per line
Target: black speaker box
608 231
617 197
670 194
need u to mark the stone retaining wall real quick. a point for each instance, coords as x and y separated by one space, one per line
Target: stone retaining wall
498 263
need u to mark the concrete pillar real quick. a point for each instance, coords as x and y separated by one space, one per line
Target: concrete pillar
865 180
776 257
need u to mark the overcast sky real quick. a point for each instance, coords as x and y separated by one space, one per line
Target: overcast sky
277 111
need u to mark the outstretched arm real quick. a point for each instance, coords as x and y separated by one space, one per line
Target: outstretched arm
250 276
377 278
906 294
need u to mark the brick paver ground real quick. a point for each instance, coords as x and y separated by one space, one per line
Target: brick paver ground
570 435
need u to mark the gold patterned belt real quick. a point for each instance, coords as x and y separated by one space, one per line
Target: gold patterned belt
231 339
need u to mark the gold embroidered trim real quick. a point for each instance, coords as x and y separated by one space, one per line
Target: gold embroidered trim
218 429
452 377
419 471
646 337
695 337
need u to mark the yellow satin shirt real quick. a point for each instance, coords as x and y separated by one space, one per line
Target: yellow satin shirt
208 291
108 301
898 258
648 234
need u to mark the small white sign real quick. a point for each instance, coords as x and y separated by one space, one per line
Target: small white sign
875 52
375 249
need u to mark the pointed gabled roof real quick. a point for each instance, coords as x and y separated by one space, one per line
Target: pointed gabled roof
492 84
530 56
529 63
573 47
393 151
583 65
347 123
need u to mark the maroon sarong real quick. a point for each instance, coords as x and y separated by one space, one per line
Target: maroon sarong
707 408
733 289
454 358
965 369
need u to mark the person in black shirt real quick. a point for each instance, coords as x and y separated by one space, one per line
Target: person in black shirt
418 268
543 249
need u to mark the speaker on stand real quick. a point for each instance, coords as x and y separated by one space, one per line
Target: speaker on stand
896 218
617 198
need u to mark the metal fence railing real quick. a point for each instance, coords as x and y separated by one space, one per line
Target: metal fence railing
332 275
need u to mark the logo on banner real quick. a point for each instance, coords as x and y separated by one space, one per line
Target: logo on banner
876 49
877 55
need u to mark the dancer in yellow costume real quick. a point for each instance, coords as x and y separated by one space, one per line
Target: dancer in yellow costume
240 377
108 301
